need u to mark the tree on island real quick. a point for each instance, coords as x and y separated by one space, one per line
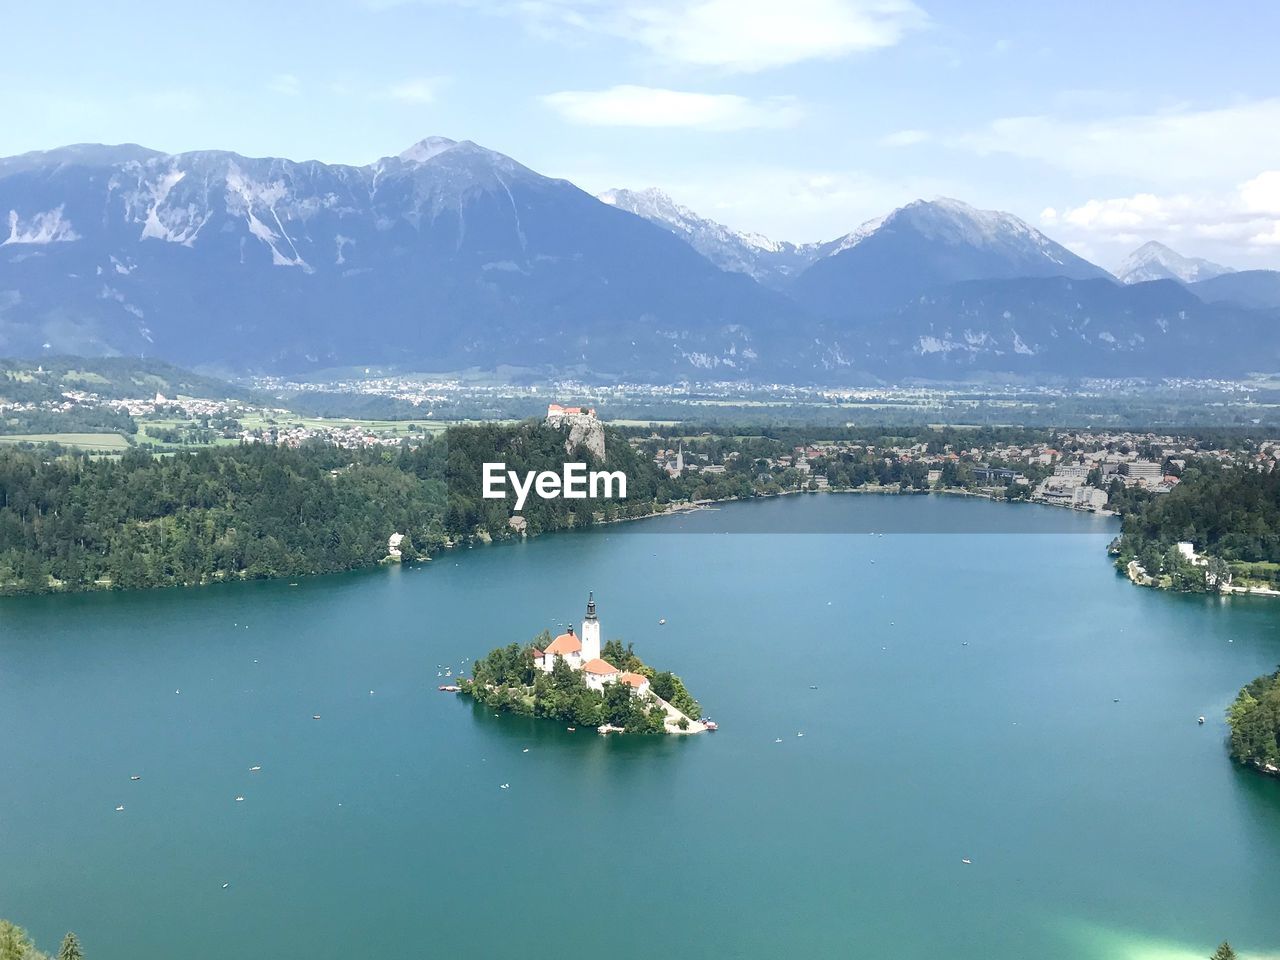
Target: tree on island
624 658
671 688
70 949
1224 952
16 944
1254 718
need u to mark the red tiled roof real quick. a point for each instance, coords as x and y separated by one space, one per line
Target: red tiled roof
599 667
565 643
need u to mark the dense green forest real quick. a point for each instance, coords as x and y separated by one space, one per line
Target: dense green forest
1255 723
1231 514
507 679
73 522
79 420
70 521
16 944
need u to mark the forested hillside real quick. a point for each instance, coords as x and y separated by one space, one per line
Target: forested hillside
72 522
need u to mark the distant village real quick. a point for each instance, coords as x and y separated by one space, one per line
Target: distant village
1077 470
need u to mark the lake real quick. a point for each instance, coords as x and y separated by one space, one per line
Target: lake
965 709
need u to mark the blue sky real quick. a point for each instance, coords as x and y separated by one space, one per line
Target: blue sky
1105 124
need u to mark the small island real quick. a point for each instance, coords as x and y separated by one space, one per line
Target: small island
575 679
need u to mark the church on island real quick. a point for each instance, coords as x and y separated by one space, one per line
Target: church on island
583 653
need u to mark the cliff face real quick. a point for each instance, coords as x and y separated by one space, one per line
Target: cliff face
584 429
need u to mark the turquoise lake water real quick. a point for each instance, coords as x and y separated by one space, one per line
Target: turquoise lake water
964 710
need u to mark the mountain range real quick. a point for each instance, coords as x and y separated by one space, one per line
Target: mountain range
1154 261
450 256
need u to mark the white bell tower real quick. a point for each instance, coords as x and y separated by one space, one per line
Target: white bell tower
590 632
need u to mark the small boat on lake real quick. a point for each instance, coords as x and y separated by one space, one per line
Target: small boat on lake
711 725
136 777
1201 721
448 688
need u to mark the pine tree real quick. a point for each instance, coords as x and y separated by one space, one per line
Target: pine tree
1224 952
70 949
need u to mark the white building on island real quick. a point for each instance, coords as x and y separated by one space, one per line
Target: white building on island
581 652
599 672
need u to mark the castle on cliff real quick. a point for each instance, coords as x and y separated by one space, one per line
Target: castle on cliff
584 428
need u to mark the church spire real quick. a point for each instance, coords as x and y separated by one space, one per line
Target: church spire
590 632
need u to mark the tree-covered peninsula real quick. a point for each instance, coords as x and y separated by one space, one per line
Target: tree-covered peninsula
69 521
510 679
1255 724
1229 514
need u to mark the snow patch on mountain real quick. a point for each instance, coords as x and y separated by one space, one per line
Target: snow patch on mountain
173 224
1155 261
427 149
851 240
243 194
769 261
47 227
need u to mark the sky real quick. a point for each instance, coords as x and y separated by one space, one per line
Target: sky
1103 124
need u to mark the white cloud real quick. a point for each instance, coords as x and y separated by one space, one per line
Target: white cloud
285 84
1262 193
635 106
753 35
1172 146
1243 221
905 138
736 35
415 90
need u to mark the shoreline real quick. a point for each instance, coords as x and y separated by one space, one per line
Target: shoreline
670 509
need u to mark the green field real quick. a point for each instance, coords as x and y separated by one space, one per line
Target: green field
85 441
644 423
392 428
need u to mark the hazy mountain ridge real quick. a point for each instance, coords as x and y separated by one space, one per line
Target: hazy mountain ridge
1052 324
771 262
451 256
929 244
1155 261
1253 289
